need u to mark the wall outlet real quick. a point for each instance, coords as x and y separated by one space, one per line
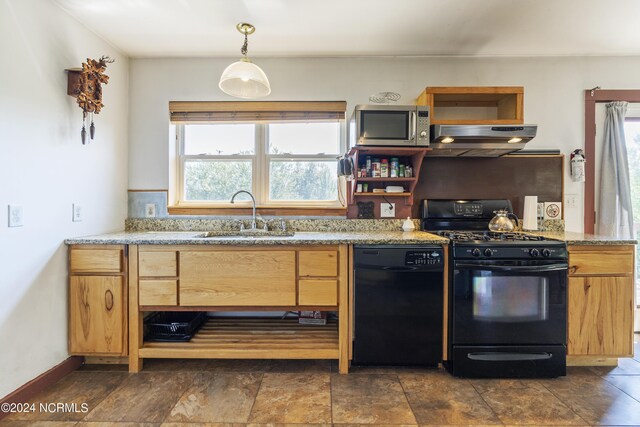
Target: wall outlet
15 216
77 213
387 210
150 210
570 201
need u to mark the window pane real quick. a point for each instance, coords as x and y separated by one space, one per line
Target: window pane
219 139
304 138
303 180
216 180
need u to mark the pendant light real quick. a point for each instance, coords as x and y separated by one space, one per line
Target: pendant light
244 79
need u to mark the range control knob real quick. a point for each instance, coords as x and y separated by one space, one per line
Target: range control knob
475 252
488 252
546 252
534 252
423 134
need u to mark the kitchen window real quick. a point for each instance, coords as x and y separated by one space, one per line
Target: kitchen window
285 158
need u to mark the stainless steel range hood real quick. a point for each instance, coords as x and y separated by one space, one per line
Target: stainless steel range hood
479 140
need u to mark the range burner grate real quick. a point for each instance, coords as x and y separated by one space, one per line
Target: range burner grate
489 236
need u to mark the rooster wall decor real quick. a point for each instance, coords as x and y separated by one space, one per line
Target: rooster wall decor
86 85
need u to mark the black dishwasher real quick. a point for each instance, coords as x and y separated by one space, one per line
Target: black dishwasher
398 300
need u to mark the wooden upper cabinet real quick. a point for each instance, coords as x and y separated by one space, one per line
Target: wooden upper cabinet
237 278
97 315
474 105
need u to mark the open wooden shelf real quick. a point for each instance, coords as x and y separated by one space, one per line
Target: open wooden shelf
383 194
370 179
250 338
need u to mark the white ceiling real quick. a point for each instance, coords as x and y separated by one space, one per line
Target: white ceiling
182 28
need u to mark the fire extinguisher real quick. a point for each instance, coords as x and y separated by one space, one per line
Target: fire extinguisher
577 166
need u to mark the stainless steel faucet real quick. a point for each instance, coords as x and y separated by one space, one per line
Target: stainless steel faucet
254 224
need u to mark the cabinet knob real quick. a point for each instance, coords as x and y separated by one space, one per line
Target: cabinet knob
108 300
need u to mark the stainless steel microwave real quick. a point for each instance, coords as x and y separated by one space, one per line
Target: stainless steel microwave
397 125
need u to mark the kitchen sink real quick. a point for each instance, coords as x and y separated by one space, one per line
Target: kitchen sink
247 233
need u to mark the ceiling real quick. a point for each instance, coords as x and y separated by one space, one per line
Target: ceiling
186 28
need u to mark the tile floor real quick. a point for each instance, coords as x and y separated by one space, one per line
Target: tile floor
237 393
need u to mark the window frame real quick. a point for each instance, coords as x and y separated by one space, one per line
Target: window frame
261 171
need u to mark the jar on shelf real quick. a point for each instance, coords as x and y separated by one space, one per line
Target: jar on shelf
384 168
393 168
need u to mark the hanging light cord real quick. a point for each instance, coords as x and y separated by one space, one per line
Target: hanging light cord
243 50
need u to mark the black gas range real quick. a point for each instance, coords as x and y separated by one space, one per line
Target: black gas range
507 296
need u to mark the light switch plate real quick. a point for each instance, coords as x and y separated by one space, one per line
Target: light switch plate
15 216
387 210
77 213
150 210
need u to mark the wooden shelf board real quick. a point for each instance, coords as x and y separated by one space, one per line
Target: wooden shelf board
252 339
370 179
391 151
382 194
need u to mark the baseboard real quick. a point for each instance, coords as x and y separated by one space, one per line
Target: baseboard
36 385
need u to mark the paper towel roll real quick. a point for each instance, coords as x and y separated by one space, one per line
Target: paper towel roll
530 213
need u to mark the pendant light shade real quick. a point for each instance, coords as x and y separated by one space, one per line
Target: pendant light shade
244 79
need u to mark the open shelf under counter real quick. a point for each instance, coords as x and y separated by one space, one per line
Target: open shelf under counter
251 338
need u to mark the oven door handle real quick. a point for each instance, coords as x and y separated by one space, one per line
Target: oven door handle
514 269
508 357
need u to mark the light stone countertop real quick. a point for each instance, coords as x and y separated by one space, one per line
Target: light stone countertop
299 238
575 238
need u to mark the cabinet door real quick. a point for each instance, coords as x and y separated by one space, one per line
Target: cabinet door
237 278
600 316
96 324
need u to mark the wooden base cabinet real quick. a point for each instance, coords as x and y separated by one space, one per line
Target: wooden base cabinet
97 301
241 278
600 302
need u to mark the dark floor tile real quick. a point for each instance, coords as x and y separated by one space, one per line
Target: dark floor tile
626 366
217 397
143 397
293 398
202 425
369 399
76 389
114 424
596 400
438 398
528 402
299 366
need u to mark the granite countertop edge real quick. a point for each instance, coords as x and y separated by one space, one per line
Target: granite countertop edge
300 238
315 238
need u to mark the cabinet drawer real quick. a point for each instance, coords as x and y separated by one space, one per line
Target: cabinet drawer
318 292
158 264
237 278
318 263
96 260
600 262
158 292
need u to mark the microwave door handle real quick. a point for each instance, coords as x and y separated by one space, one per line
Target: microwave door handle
515 269
413 124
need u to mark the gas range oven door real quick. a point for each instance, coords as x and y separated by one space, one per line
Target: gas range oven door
503 302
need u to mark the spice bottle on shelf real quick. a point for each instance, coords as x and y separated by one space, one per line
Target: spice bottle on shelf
401 171
408 171
368 165
393 169
375 168
384 168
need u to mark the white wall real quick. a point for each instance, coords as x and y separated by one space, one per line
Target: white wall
553 95
44 168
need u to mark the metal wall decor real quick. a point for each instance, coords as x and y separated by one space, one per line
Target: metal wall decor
86 86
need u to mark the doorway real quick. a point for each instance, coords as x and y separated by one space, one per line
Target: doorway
632 139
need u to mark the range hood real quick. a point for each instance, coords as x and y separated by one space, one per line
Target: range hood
479 140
